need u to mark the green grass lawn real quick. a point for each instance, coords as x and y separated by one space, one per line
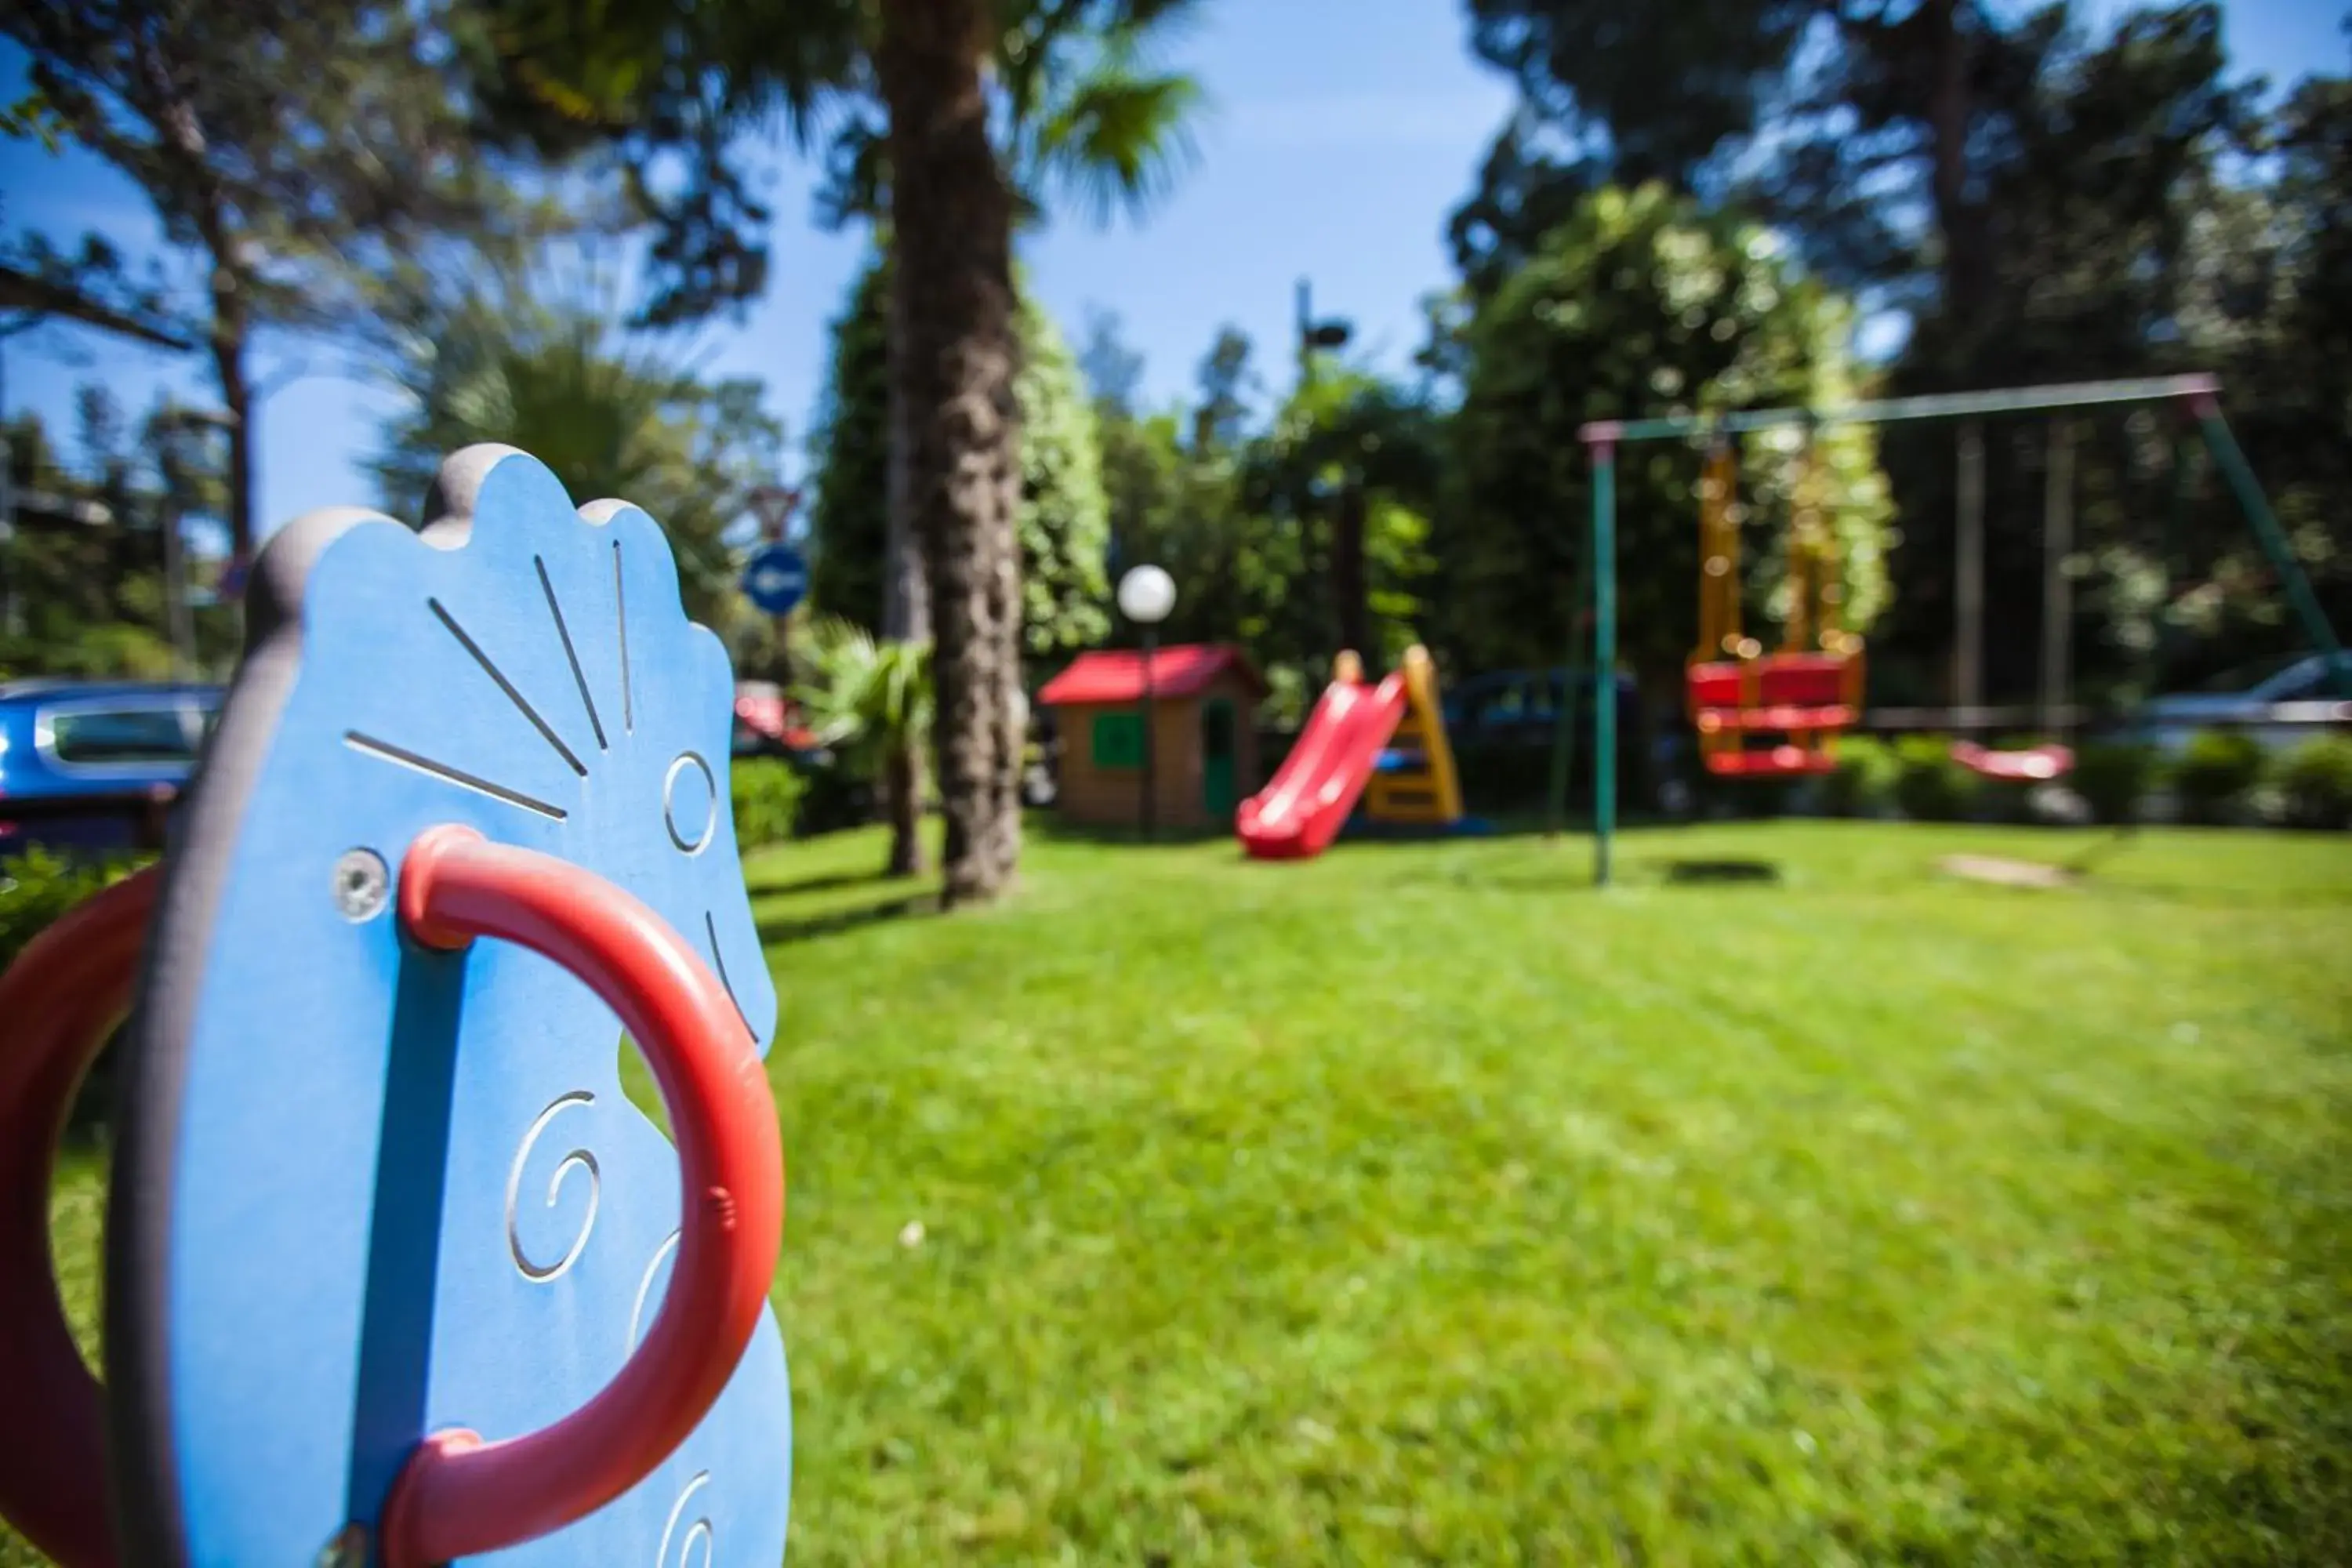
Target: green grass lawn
1421 1204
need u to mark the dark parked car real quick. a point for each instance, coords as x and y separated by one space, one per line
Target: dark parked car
92 766
1503 724
1523 706
2281 704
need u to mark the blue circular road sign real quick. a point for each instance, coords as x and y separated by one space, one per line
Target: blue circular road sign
775 578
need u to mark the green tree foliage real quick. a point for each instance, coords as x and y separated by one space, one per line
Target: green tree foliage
296 155
82 583
613 414
849 460
2276 322
1173 479
1348 473
1859 118
1243 508
1643 299
2050 197
955 116
1241 576
1063 515
2132 244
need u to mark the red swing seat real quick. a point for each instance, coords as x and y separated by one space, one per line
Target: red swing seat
1796 694
2032 764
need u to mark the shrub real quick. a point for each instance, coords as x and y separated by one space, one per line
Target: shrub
2114 778
1864 781
768 794
2316 781
2217 769
1751 797
837 799
37 887
1928 784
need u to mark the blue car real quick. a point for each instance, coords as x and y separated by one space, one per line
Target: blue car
96 767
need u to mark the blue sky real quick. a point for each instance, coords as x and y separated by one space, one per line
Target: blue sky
1332 152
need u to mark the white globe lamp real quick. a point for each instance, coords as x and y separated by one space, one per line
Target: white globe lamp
1145 595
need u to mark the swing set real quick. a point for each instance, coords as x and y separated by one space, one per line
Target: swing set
1769 715
1777 714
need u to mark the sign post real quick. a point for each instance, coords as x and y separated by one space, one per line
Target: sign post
775 578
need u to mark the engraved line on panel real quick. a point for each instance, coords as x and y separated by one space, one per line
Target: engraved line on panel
621 625
517 698
700 1527
580 1158
646 1286
718 961
579 676
384 750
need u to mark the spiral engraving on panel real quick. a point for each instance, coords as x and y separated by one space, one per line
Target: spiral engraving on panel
645 1285
699 1531
581 1158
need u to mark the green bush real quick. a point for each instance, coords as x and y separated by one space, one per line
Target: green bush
1929 785
1864 781
768 794
2216 770
2114 778
838 798
37 887
2316 780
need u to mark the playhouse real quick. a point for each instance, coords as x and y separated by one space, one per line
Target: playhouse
1205 745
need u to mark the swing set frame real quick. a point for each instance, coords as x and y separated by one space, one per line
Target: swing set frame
2199 393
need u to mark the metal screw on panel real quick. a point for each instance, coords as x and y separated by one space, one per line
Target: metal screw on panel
363 884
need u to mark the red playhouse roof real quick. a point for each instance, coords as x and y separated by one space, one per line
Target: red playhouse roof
1117 674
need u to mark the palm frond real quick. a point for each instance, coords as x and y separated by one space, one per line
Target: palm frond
1118 139
861 696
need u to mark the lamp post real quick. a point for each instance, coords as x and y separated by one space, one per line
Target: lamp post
1313 335
1146 595
1346 572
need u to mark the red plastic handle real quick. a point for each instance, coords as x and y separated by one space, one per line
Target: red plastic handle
458 1496
63 995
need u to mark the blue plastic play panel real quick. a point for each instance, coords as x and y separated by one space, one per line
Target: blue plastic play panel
775 579
378 1191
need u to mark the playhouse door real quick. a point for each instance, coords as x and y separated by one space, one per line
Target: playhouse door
1217 795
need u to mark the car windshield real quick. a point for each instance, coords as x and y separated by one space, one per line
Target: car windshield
145 733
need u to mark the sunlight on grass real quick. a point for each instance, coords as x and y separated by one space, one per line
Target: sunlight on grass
1421 1204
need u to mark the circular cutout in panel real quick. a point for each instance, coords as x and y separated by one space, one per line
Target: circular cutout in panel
690 804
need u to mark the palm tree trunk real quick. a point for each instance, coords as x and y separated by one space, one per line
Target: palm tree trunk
905 617
902 798
953 360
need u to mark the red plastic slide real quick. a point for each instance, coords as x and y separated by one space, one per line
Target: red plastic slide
1297 816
